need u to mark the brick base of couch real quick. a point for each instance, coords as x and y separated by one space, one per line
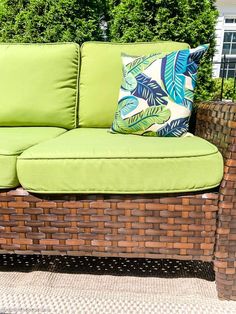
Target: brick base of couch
147 226
163 226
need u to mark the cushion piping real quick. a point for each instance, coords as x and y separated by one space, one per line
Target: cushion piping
75 158
124 191
76 117
126 44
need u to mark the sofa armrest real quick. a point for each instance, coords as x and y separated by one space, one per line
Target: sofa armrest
216 122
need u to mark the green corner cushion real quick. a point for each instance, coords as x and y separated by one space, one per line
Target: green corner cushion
89 160
39 84
101 76
13 141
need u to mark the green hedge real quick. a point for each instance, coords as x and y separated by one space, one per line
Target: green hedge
183 20
51 20
228 89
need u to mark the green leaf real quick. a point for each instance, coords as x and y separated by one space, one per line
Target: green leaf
140 64
188 99
129 81
140 122
127 104
150 133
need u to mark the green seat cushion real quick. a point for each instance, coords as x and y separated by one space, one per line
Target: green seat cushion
13 141
39 84
89 160
101 76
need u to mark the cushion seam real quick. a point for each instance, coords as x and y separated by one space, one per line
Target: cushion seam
130 44
39 44
105 158
125 191
8 187
13 155
77 89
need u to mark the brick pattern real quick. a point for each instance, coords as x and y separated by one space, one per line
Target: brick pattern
154 226
217 123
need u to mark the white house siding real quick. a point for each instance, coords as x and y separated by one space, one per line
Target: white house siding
226 8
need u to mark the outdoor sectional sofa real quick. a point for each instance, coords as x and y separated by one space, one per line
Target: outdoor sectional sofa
68 186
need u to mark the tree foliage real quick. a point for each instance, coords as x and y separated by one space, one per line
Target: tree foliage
50 20
229 91
190 21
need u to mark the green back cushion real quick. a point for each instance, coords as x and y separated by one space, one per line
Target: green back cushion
101 76
39 84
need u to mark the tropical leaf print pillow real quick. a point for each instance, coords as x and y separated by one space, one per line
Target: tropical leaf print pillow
156 95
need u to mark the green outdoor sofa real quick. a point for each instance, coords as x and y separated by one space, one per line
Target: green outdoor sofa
68 186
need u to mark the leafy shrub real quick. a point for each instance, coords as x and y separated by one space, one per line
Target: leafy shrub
50 20
185 21
228 89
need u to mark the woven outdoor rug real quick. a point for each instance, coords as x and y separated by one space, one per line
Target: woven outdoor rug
34 284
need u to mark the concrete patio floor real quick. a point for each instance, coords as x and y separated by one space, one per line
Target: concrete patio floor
34 284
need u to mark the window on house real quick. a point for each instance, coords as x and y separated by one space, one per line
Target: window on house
229 51
230 20
230 68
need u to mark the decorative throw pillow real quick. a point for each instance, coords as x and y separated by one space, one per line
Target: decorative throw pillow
156 95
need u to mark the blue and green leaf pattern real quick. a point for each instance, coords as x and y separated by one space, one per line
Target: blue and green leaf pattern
142 121
127 105
173 67
134 68
156 95
150 91
174 128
